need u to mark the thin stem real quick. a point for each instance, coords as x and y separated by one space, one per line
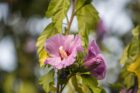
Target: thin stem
56 80
57 88
61 89
67 18
66 82
72 16
55 77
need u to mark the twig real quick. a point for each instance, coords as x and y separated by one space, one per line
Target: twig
72 16
56 80
66 82
67 18
57 88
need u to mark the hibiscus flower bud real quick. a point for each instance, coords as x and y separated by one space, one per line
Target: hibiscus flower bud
95 62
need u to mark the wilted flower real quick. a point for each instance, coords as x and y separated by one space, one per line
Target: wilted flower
95 62
62 50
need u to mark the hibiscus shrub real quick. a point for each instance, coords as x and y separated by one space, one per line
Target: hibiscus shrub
72 62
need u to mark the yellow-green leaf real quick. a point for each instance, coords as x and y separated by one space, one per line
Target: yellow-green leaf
130 59
57 10
91 83
135 68
42 57
47 81
136 31
86 14
87 17
124 56
83 84
133 49
48 31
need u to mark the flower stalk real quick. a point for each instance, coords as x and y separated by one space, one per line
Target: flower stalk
73 2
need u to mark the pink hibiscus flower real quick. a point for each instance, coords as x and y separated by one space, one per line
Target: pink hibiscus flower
95 62
62 50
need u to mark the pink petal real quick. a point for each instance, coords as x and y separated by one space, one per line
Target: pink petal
53 61
77 44
52 44
70 60
93 48
96 66
68 42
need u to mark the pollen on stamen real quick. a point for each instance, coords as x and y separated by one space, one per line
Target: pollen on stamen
61 48
62 52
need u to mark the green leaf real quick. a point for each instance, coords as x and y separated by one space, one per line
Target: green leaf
84 84
124 56
84 34
115 86
80 58
131 60
57 10
49 31
47 81
91 83
135 68
77 86
136 32
126 78
87 17
133 49
129 80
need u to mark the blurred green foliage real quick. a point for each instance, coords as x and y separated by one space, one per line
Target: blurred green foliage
24 79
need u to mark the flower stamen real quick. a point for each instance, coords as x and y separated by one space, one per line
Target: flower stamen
62 52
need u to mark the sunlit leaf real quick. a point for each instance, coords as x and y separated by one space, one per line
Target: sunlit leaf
47 81
91 83
136 32
49 31
79 58
77 85
42 57
57 10
133 49
84 34
84 84
135 68
131 60
124 56
129 80
87 17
